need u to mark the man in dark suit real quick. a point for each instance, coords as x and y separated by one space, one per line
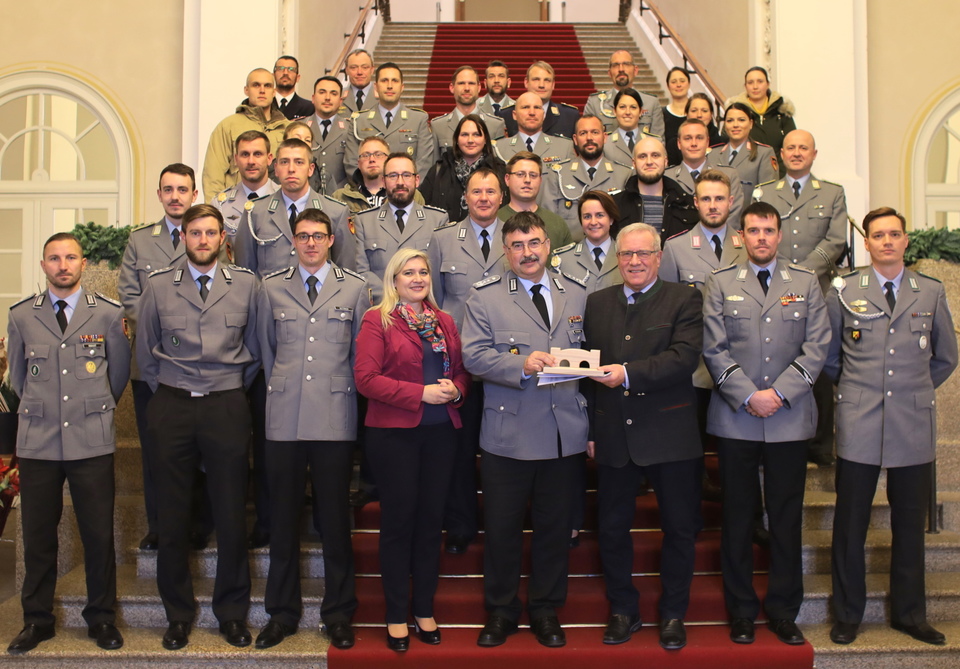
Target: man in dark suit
287 73
561 119
649 334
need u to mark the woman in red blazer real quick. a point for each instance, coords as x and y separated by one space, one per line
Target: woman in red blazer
409 367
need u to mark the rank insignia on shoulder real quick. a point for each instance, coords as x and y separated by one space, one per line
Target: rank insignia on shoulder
486 282
734 298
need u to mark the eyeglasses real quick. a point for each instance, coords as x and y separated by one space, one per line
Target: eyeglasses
524 175
285 68
396 176
534 245
372 154
642 254
318 237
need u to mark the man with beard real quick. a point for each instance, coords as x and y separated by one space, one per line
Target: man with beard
398 223
652 198
565 183
66 434
332 133
766 335
286 71
533 437
198 351
360 73
560 118
266 244
253 157
529 134
258 112
465 86
524 177
693 138
365 188
622 71
497 84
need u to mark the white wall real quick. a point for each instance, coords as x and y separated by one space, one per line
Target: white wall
411 11
584 11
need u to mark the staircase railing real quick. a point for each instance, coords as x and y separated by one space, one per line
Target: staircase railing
359 33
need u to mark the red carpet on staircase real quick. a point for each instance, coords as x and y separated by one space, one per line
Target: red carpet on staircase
459 608
517 45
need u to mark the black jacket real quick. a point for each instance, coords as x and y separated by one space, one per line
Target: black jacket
679 212
440 188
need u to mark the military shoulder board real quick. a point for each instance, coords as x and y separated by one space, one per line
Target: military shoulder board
488 281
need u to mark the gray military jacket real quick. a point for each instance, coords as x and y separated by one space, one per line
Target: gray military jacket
330 153
888 366
195 345
763 169
682 176
600 104
378 238
409 133
265 244
552 149
754 341
521 420
69 382
575 259
235 207
565 183
308 354
486 104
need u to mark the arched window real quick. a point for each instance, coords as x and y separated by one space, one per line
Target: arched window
65 158
936 167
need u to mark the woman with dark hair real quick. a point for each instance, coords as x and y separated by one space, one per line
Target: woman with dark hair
445 182
774 112
594 258
701 106
675 113
754 162
628 107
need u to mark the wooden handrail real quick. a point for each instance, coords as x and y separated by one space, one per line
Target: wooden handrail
357 30
667 32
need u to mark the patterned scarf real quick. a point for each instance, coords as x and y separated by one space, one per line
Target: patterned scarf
427 325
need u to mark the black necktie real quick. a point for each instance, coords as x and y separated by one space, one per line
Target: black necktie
283 106
635 296
717 247
312 290
530 144
733 154
326 128
62 315
496 107
763 276
596 257
591 171
630 142
540 303
359 100
293 216
796 190
389 118
891 297
204 291
252 195
175 238
695 175
400 215
485 245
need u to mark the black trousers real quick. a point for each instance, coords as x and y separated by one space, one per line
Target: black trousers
908 489
331 465
460 518
141 398
257 395
825 396
784 476
214 431
508 485
412 468
677 486
41 506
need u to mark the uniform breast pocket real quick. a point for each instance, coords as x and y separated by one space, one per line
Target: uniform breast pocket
817 221
512 341
736 320
339 324
455 279
286 324
795 321
90 360
377 258
692 277
343 403
235 322
857 335
38 362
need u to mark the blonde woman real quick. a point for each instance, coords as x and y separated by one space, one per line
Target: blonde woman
409 367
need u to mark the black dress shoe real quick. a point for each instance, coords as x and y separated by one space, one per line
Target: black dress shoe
761 536
258 539
341 635
360 498
620 627
456 545
236 633
844 633
548 632
741 630
575 540
673 635
30 637
273 633
199 540
822 459
400 644
432 638
922 632
176 636
787 631
107 636
496 631
149 542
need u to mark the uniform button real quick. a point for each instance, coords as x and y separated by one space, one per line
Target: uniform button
32 353
269 388
627 337
311 339
26 411
501 407
796 232
61 346
767 340
309 378
486 273
796 218
453 267
892 351
553 406
766 378
889 393
103 407
735 312
66 423
767 319
342 316
64 372
309 358
839 396
92 351
511 340
796 314
349 388
796 246
374 245
856 322
893 330
626 393
313 320
629 421
66 397
767 359
924 326
293 253
889 372
283 314
690 276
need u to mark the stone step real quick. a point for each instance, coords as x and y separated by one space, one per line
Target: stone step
819 508
942 551
880 647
